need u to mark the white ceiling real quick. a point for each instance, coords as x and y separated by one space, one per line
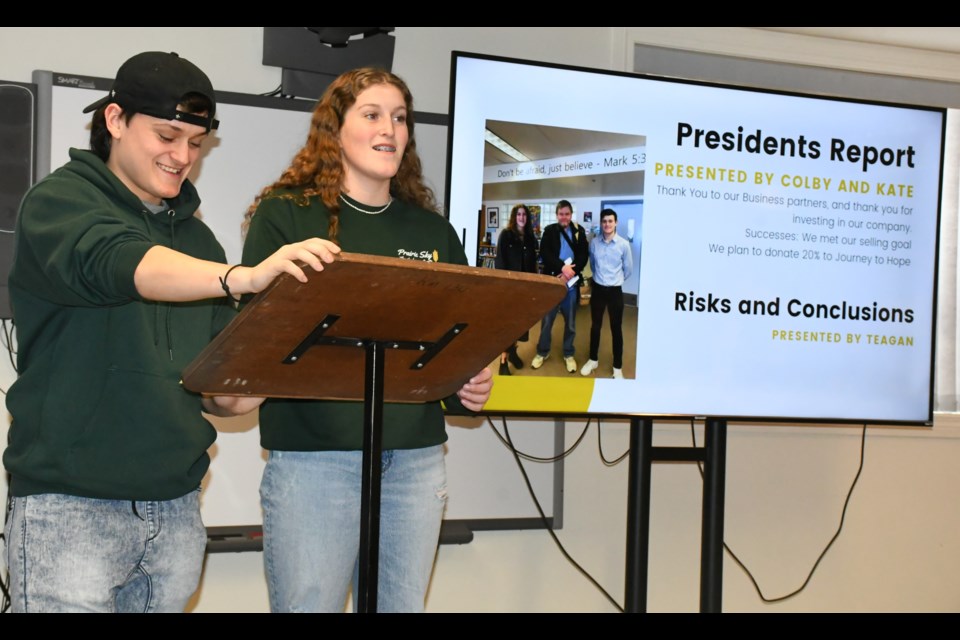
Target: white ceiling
539 142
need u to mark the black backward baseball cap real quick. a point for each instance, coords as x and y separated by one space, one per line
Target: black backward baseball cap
155 83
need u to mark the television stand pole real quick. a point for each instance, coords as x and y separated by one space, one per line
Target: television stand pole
643 454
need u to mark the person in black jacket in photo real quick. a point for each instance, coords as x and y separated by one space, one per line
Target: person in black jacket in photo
516 251
564 252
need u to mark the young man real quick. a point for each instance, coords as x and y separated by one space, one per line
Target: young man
611 260
115 287
564 251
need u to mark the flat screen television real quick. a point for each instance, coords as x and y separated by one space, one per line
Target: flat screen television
784 245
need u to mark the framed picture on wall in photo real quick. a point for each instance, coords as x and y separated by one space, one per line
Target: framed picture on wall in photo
534 210
493 217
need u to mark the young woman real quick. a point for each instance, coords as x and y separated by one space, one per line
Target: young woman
357 182
516 251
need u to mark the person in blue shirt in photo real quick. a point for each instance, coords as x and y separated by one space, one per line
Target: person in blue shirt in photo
611 260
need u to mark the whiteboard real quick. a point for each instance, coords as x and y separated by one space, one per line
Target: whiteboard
255 142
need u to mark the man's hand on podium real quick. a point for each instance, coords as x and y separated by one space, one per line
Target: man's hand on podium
475 393
313 251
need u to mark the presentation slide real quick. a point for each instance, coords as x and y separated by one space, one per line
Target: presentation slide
786 250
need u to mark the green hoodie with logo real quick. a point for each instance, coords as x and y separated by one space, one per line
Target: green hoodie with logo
400 230
98 409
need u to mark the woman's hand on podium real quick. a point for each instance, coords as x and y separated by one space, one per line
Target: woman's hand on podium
475 393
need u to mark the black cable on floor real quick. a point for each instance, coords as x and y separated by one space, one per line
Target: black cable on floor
7 336
543 517
843 515
532 458
5 579
4 583
275 92
609 463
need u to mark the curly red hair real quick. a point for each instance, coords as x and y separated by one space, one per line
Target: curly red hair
317 168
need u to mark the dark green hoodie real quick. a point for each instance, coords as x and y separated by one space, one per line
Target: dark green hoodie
401 230
98 410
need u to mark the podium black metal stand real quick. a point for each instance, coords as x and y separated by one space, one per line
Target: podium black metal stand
328 339
374 366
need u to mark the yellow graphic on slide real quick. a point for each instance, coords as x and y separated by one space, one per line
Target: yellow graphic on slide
562 395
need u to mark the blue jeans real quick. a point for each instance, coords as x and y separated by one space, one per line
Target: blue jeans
72 554
311 527
568 307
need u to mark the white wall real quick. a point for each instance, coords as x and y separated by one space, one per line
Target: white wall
785 485
232 56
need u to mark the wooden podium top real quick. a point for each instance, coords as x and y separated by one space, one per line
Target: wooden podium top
440 325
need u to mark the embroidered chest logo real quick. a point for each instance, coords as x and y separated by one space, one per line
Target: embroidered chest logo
425 256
